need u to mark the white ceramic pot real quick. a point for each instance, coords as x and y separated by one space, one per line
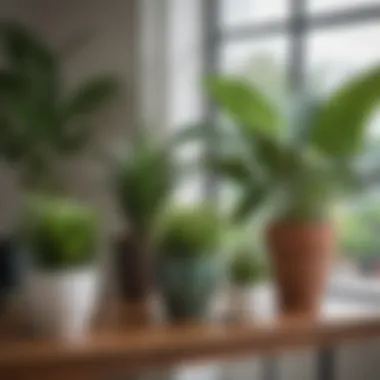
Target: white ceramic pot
62 303
241 302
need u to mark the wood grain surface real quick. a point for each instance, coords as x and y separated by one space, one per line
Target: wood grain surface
118 347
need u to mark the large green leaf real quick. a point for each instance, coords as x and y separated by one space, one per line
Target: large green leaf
340 126
38 123
277 160
89 96
10 82
250 200
246 105
234 168
32 60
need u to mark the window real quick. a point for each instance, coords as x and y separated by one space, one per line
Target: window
315 6
264 62
316 44
335 54
237 12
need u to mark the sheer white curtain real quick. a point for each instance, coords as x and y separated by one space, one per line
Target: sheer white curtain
171 72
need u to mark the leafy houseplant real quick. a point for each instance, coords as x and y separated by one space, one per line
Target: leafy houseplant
358 235
298 162
61 234
42 122
143 181
61 283
245 271
187 243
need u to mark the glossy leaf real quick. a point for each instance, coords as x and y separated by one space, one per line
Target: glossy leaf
41 123
91 95
234 168
252 198
340 126
244 104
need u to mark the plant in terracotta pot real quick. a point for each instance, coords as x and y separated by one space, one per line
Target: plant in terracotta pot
188 266
61 281
246 270
43 122
144 178
299 162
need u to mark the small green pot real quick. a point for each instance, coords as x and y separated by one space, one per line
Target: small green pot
187 285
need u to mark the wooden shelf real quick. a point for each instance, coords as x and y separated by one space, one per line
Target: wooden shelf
119 349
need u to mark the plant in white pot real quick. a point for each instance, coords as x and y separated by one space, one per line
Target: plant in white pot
246 270
44 122
61 281
299 163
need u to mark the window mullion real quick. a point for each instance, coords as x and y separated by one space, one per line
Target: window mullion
297 54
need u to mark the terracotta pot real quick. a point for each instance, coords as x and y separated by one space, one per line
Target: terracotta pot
133 267
301 254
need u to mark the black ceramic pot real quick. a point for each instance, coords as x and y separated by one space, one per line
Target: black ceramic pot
10 267
133 267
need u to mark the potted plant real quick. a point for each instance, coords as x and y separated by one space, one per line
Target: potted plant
188 267
43 122
298 162
144 178
246 270
61 280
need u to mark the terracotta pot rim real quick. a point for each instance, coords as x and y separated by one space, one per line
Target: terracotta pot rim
299 223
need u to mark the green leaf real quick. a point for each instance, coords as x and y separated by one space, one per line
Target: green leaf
91 95
246 267
188 232
60 233
9 82
144 180
232 167
32 60
244 104
250 201
277 160
340 126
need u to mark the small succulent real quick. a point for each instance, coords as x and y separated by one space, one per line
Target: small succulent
189 232
60 234
246 268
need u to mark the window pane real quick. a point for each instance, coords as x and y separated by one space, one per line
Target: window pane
237 12
316 6
264 62
331 63
335 55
